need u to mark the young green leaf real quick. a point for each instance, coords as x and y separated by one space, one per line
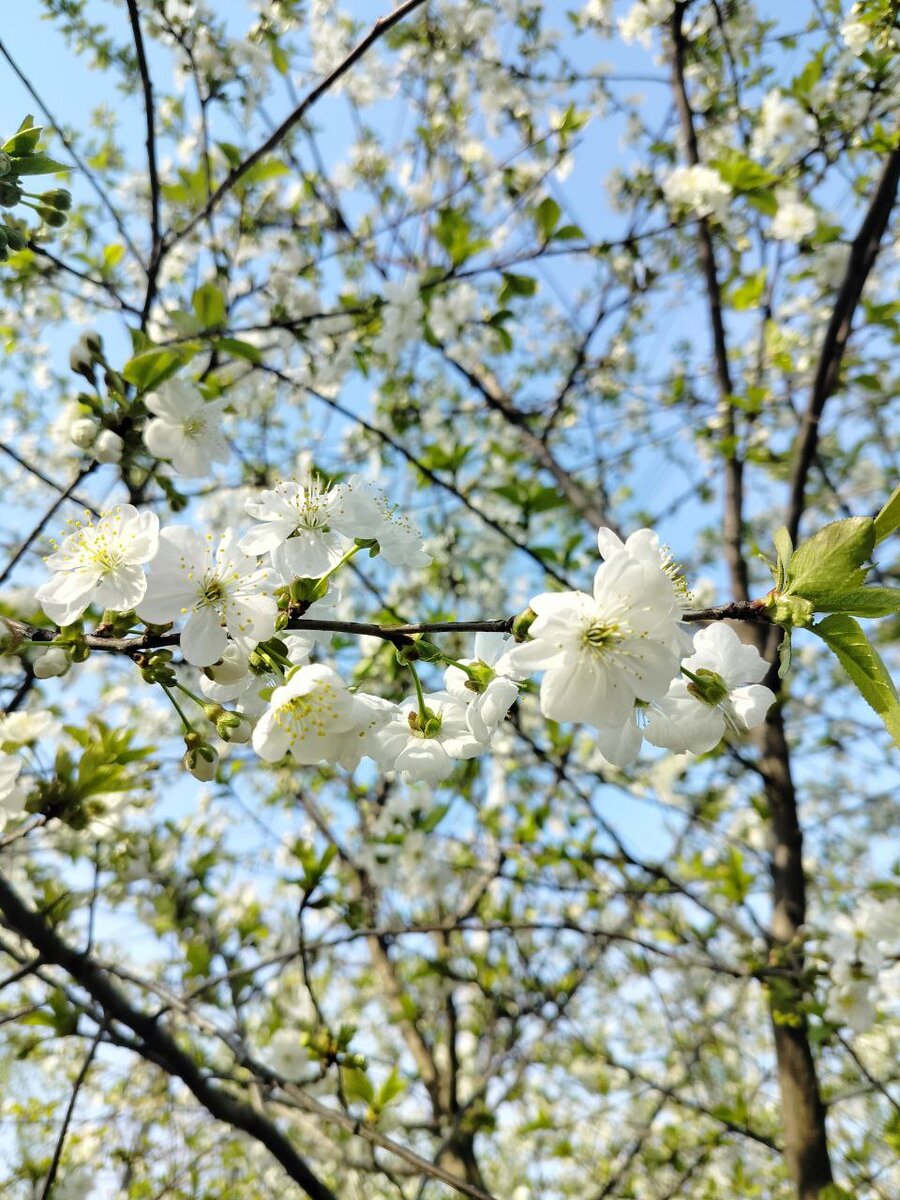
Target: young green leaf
830 562
889 518
861 661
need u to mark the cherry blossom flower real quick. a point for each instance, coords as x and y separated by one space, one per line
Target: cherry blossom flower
100 564
12 795
602 652
310 717
221 590
701 189
720 692
295 527
186 428
490 689
365 513
424 748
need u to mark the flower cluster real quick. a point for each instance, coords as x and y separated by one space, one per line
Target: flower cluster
863 953
618 659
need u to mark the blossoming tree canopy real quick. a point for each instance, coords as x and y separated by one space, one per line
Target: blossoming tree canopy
449 600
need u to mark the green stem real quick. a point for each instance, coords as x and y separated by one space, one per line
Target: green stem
420 695
188 726
341 561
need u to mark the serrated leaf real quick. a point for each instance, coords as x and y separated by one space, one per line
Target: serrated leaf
38 164
861 661
889 518
864 602
830 562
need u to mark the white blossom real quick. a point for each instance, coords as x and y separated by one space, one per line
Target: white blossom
310 717
12 795
100 564
794 220
698 188
222 592
365 512
295 527
186 428
423 746
602 652
720 692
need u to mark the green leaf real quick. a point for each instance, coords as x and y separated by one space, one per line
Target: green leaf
515 285
547 216
148 370
784 550
358 1086
743 173
889 518
830 562
567 233
392 1087
38 164
239 349
750 292
24 140
209 305
861 661
864 602
453 230
785 654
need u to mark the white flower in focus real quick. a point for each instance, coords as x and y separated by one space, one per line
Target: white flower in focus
295 528
698 709
100 564
600 653
309 717
365 513
186 428
426 752
700 189
644 545
794 220
288 1056
221 590
12 796
487 708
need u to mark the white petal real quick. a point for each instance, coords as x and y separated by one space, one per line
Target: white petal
203 640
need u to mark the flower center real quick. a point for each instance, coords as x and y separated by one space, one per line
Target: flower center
707 686
600 635
194 428
213 591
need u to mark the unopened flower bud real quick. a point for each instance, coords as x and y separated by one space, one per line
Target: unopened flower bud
83 432
232 667
10 194
51 216
201 761
58 198
108 447
52 662
232 727
15 240
5 163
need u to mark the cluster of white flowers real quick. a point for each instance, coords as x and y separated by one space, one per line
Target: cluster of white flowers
699 189
863 955
618 659
784 130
